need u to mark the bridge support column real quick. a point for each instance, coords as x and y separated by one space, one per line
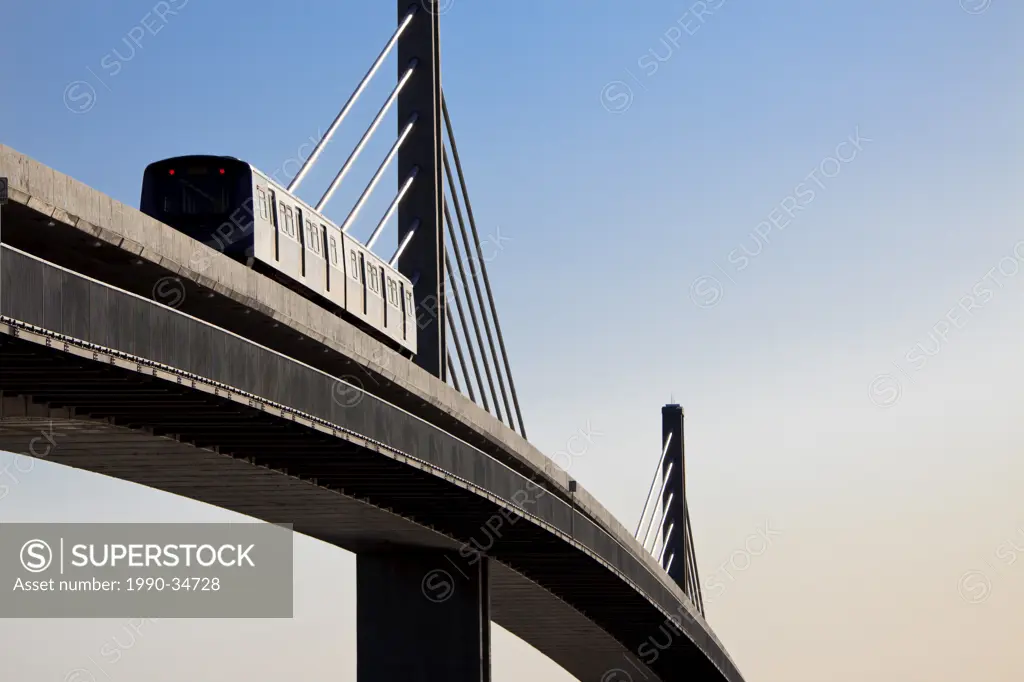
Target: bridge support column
423 259
422 615
675 515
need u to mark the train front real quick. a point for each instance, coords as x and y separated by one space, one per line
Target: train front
209 198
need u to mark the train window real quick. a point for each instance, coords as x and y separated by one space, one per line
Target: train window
263 202
289 226
408 302
316 238
195 191
273 208
334 248
353 270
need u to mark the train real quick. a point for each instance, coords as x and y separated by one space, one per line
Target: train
234 208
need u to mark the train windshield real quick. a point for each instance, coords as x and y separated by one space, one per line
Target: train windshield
209 198
194 188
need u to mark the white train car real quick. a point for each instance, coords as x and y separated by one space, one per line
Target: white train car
234 208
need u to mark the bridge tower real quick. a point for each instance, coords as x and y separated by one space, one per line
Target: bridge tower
423 614
421 210
678 556
673 498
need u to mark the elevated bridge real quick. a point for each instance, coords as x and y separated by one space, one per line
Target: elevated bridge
156 359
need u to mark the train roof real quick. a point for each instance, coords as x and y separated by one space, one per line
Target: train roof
197 156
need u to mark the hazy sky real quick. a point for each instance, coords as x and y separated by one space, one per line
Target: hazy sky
799 219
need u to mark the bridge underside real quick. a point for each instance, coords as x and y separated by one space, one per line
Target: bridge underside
200 413
277 495
517 603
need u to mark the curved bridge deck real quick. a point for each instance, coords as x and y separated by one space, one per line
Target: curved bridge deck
149 394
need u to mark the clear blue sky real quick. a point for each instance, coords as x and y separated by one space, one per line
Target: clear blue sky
631 152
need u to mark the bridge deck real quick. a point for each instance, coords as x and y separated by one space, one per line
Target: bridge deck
233 297
40 193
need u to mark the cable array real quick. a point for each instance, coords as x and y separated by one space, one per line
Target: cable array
476 289
659 517
473 329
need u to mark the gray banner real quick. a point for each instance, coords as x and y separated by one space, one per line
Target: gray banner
143 570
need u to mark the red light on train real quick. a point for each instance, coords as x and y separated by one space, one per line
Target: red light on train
222 171
170 172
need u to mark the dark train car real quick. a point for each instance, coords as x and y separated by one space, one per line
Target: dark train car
232 207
